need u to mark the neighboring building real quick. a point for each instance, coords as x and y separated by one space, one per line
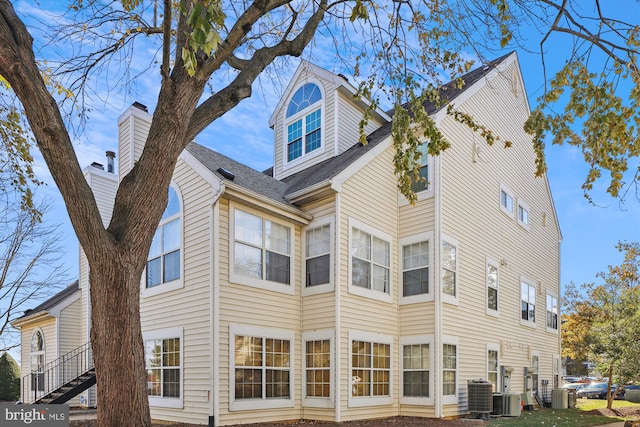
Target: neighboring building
316 291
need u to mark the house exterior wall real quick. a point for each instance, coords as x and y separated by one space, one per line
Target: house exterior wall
472 174
259 311
187 307
211 304
372 186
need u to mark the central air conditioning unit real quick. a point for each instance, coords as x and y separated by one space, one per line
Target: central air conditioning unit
480 398
511 405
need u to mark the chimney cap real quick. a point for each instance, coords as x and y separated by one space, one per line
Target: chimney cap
140 106
111 154
97 165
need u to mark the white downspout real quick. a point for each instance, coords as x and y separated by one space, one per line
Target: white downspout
437 291
338 289
214 313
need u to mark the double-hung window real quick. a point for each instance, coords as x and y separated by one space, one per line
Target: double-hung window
165 260
318 255
528 301
492 287
523 214
370 261
449 372
304 122
449 257
415 370
492 368
415 268
552 312
262 363
163 361
420 182
262 251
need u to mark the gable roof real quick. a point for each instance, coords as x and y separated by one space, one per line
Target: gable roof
280 191
53 301
330 168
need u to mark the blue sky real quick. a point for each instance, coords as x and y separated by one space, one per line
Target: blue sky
590 233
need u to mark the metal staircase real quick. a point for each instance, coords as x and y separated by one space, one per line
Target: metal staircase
60 380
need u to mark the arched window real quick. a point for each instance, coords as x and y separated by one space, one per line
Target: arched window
37 360
304 122
164 262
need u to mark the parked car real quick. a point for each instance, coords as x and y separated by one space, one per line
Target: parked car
595 390
574 386
624 388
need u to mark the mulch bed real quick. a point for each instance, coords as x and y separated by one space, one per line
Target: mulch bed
393 421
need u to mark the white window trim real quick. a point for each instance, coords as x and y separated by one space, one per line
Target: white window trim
513 200
175 284
556 365
260 332
450 399
424 194
521 204
370 293
318 402
302 114
446 298
416 238
410 340
553 295
496 264
358 402
168 402
494 347
254 281
523 322
328 287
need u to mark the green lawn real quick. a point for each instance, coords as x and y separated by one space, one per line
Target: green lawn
564 417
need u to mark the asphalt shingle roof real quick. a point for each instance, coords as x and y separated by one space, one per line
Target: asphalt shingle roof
264 184
54 300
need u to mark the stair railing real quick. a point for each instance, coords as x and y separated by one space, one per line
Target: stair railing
55 374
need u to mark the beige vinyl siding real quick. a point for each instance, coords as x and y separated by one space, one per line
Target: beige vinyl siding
373 185
318 311
350 116
69 333
104 186
85 310
188 307
471 195
132 132
418 318
250 306
69 325
124 147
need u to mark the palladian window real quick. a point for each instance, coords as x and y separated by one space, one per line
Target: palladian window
304 122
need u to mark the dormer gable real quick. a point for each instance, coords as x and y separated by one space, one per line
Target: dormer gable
317 118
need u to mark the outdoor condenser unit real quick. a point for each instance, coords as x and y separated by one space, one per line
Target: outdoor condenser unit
480 398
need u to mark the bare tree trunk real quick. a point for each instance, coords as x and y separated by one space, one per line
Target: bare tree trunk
116 340
610 393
